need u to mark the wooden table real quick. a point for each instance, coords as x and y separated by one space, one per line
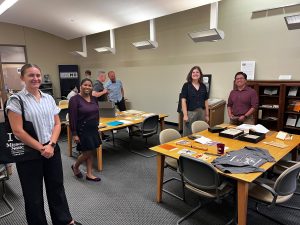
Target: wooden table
133 118
243 180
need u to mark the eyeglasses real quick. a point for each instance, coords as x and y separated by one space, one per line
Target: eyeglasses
240 78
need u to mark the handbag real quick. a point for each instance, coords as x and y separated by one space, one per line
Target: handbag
12 149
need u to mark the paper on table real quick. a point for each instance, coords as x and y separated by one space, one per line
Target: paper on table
132 111
257 128
125 121
203 140
261 129
148 114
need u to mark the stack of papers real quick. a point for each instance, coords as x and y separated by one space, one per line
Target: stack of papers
257 128
203 140
132 111
148 114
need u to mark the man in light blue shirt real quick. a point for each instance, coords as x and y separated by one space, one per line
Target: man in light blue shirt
115 91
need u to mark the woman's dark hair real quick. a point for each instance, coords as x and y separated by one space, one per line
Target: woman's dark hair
189 76
241 73
86 79
27 66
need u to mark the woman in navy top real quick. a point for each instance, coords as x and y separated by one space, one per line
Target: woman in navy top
84 121
194 100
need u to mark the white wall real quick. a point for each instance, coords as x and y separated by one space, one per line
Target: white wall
153 78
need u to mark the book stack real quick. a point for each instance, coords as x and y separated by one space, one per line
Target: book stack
293 91
270 91
293 121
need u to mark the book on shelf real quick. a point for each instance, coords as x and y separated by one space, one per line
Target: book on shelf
298 122
291 120
294 106
270 91
293 91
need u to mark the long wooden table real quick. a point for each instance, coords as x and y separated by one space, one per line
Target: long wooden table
243 180
134 119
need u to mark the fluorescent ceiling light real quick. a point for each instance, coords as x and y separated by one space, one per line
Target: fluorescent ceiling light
110 49
207 35
6 5
145 44
84 49
212 34
292 22
152 43
106 50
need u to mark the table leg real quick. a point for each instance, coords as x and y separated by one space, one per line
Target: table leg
242 199
295 153
69 140
99 158
162 123
160 175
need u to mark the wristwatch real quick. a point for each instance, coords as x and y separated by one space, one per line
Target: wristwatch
53 144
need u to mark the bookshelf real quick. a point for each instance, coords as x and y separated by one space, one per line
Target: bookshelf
278 104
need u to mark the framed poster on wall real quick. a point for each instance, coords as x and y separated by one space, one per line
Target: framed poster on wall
206 79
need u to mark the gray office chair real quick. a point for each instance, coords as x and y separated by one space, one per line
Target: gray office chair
165 136
203 179
148 128
274 193
198 126
3 177
283 165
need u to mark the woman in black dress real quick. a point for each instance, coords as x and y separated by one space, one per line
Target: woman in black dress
84 120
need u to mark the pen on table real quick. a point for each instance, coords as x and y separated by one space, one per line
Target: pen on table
209 153
198 147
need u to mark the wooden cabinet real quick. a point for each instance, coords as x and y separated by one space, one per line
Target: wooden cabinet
275 104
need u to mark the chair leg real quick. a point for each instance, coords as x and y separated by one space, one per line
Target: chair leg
288 207
141 154
264 215
11 208
138 153
171 193
189 214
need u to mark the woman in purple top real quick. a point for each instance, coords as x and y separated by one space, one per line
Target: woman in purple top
84 120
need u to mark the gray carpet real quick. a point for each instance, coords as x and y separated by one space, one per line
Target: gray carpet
127 194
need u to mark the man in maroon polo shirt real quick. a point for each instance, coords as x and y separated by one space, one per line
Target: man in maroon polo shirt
242 101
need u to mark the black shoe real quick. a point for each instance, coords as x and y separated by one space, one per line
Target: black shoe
96 179
78 175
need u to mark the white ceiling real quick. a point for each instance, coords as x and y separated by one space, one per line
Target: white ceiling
76 18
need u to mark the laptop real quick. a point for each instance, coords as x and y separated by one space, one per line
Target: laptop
107 109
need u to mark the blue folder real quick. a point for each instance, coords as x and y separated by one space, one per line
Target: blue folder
114 123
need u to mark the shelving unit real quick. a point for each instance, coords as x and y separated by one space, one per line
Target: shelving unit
290 98
274 101
47 88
